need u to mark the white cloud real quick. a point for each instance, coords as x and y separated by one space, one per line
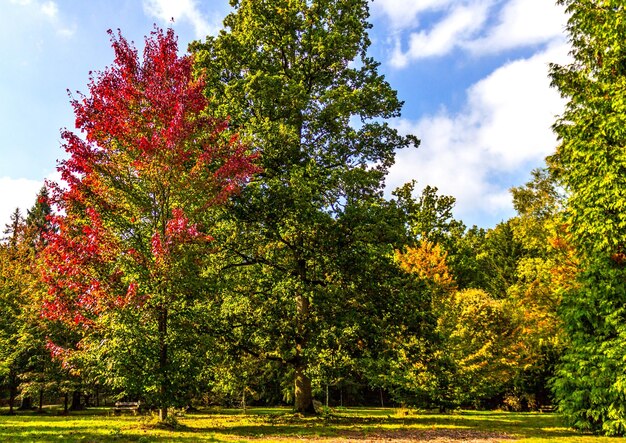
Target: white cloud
50 9
522 23
458 26
479 26
503 130
404 13
182 10
16 193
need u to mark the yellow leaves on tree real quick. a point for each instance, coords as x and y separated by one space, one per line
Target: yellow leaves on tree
428 262
481 340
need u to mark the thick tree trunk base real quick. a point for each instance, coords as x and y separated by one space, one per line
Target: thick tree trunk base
76 403
303 394
26 405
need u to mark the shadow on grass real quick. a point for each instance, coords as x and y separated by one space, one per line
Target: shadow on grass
269 423
384 424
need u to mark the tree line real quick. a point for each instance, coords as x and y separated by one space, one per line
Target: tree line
221 235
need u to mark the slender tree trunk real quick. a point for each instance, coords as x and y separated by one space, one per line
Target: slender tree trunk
12 394
163 363
66 401
326 395
40 408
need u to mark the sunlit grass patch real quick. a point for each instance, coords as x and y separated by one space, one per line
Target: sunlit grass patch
265 425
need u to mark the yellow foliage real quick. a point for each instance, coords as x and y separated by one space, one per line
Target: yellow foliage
427 261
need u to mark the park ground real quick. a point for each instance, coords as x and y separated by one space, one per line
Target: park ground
264 425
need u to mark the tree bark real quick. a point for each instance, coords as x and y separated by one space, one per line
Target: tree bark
326 395
26 404
40 408
12 395
303 392
163 363
76 403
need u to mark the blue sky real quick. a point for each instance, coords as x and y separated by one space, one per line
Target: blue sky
472 74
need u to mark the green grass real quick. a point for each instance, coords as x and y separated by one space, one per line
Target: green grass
280 425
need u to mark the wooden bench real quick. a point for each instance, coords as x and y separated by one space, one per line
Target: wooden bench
127 406
547 408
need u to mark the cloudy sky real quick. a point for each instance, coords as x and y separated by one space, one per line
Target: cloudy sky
472 74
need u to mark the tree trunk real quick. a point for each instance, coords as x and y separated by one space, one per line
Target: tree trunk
27 404
163 363
66 401
327 395
40 408
303 392
76 403
12 395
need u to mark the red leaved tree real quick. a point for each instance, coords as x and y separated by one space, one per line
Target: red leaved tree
142 184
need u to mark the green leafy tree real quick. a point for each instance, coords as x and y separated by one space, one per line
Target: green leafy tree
22 333
429 215
12 283
313 237
481 342
589 161
543 271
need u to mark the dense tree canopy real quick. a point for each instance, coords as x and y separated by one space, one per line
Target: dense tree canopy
590 163
313 231
221 236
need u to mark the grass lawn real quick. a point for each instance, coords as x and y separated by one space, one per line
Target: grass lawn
265 425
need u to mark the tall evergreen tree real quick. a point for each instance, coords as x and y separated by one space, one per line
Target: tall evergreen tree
590 161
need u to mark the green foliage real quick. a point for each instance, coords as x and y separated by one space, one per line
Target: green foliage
481 343
25 363
590 163
172 289
310 257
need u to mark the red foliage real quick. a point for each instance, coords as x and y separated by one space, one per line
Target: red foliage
149 161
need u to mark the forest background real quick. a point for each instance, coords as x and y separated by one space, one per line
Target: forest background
221 232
